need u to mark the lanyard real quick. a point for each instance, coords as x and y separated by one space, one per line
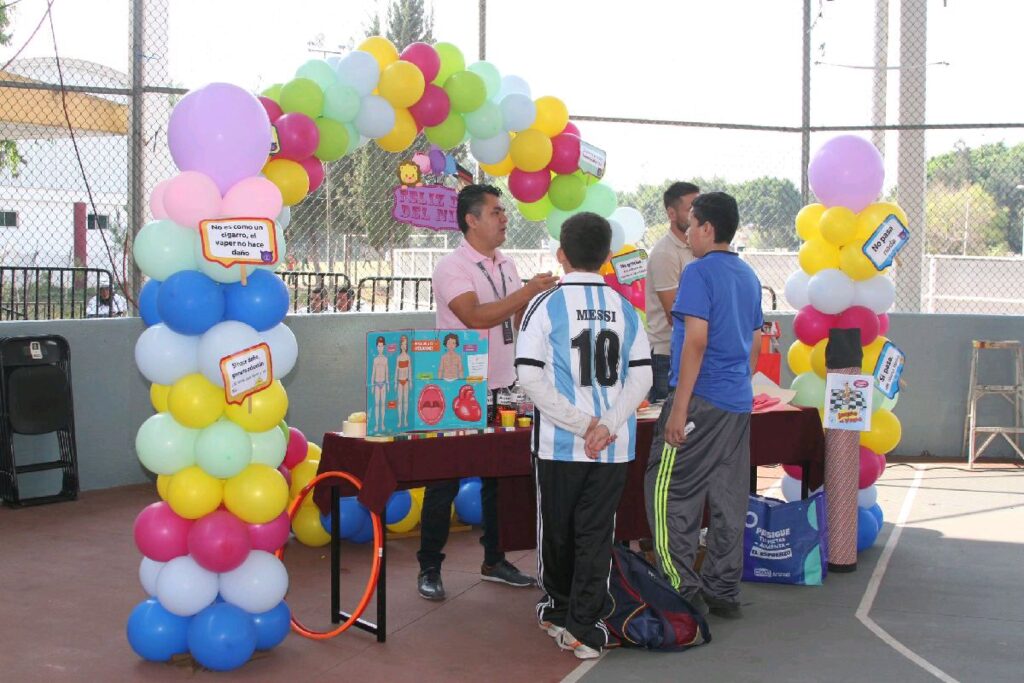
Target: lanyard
504 285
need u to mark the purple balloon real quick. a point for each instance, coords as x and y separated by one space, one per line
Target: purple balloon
436 157
846 171
221 131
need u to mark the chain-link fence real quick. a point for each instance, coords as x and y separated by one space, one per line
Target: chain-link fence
82 145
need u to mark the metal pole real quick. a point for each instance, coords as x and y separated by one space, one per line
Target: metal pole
881 73
482 55
136 202
805 133
910 168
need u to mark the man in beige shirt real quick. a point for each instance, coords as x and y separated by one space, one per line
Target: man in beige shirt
665 266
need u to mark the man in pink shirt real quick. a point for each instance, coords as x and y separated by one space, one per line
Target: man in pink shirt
477 287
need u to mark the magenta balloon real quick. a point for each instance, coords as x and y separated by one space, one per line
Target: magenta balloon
883 323
273 109
315 171
811 325
432 108
861 318
220 130
298 136
870 468
571 129
271 535
794 471
219 542
425 57
847 171
286 473
297 447
565 153
528 186
160 534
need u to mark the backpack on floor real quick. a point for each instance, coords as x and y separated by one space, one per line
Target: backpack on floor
646 611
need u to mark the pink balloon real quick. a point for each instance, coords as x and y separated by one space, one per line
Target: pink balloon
191 197
811 325
425 57
794 471
571 129
219 542
861 318
529 186
286 473
297 447
254 197
870 468
273 109
565 153
297 135
315 171
883 323
271 535
433 107
156 200
160 534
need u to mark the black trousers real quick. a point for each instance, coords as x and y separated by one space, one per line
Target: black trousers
436 518
576 503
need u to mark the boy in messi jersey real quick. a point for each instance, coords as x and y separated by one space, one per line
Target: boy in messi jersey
584 359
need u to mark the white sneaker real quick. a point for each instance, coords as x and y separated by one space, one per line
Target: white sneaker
567 641
552 630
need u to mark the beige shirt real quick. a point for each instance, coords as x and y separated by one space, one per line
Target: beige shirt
665 266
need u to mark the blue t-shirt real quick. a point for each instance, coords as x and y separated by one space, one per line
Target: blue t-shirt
725 291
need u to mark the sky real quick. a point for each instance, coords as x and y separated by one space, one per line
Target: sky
735 61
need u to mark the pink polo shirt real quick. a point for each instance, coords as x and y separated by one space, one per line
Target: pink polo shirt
458 273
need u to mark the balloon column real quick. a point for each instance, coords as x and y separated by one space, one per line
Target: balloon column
842 283
216 589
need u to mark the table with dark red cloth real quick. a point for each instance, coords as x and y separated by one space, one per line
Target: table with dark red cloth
779 437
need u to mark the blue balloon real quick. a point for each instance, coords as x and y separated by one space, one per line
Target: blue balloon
155 634
867 529
262 303
398 507
468 506
353 517
190 303
365 532
876 510
222 637
147 303
272 627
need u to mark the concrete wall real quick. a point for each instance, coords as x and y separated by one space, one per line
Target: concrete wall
112 398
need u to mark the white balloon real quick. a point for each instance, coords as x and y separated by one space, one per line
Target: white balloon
490 150
269 447
149 570
376 117
512 85
866 498
796 289
184 588
791 488
632 222
518 112
830 291
618 235
284 219
333 62
164 356
877 293
257 585
359 71
284 350
223 339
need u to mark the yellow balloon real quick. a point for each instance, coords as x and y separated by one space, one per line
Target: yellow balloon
799 357
382 49
606 268
312 451
807 221
817 254
192 493
502 168
158 397
308 529
195 401
302 474
291 179
854 263
885 432
874 215
402 135
818 358
531 150
417 496
871 353
162 482
257 494
838 225
402 84
268 409
409 522
552 116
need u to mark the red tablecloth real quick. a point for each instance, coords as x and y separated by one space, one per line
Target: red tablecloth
784 437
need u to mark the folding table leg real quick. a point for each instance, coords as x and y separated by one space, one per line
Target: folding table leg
335 556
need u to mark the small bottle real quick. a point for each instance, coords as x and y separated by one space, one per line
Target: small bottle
504 402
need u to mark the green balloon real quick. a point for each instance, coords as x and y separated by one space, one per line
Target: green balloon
810 390
164 446
353 138
555 220
223 449
466 91
535 211
485 122
451 61
302 95
318 71
163 248
268 448
273 92
449 134
567 192
600 199
885 403
283 426
341 103
490 74
333 139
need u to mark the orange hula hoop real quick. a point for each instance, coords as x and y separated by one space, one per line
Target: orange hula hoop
371 583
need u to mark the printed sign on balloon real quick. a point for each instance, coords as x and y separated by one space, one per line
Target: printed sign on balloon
889 369
592 159
246 241
246 372
630 267
848 402
886 242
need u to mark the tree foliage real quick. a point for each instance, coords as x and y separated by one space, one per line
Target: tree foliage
10 158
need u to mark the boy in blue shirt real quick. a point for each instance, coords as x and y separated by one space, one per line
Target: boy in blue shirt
701 447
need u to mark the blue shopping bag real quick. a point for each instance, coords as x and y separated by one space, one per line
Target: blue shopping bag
786 542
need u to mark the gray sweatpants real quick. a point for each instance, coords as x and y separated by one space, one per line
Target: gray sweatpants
713 464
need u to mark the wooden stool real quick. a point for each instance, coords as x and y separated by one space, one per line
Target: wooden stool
1014 393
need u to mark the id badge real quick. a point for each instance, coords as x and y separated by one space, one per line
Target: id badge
506 331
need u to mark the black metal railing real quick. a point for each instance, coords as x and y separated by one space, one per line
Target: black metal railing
313 292
768 291
394 294
52 293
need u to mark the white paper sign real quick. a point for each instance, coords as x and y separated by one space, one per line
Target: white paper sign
592 159
848 402
246 372
630 267
477 364
228 241
885 242
889 369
